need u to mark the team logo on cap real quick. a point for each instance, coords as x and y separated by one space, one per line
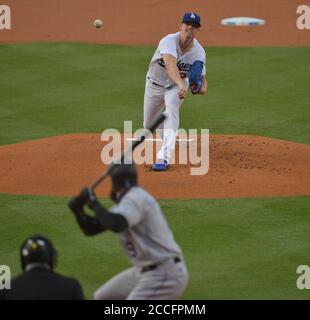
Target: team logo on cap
192 16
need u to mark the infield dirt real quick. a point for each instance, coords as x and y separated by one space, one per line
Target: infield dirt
240 166
138 22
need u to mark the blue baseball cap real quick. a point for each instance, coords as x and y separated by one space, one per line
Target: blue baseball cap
191 17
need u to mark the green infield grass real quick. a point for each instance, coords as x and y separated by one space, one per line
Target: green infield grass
58 88
234 249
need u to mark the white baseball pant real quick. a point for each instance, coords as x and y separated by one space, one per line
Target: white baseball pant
167 282
155 98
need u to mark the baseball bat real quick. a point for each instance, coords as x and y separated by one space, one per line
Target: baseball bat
157 121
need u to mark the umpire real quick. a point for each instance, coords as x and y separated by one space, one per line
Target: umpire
38 280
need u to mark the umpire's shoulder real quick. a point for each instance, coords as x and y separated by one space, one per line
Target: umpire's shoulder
71 283
66 279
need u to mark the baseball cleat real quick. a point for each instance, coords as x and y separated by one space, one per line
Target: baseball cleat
160 166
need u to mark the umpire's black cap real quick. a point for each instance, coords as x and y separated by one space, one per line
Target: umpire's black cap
38 249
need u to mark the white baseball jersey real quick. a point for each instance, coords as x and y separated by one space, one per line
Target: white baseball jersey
148 240
161 90
170 45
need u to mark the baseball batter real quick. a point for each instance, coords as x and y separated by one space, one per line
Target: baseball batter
158 271
167 82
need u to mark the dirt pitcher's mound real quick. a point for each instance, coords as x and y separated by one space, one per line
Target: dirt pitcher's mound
240 166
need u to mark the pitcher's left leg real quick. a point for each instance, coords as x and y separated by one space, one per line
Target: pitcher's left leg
171 124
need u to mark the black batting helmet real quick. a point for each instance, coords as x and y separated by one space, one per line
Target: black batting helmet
38 249
124 175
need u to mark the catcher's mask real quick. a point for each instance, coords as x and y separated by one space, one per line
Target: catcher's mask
38 249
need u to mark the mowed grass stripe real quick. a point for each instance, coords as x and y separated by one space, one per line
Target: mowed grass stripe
234 248
52 89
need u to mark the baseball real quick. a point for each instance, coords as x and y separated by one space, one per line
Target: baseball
98 23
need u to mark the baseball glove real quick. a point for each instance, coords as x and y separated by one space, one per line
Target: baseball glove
195 76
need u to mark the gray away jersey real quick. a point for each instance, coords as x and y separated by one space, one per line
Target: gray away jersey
148 239
170 45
